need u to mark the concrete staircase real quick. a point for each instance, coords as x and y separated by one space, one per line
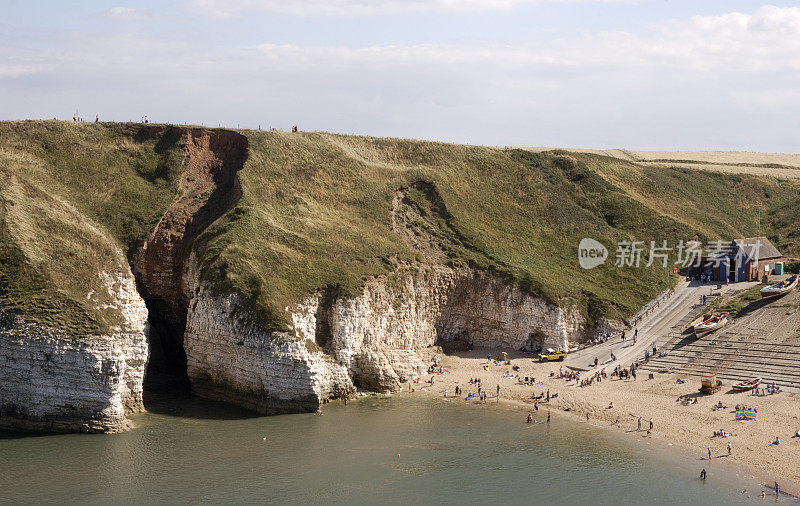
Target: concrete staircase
765 343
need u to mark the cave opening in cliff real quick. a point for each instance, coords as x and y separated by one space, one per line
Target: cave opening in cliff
166 367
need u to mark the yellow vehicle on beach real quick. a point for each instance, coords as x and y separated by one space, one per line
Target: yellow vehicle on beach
709 384
552 355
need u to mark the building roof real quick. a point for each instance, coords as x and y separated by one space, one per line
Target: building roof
758 247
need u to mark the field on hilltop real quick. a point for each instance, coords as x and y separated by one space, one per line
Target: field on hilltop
319 210
779 166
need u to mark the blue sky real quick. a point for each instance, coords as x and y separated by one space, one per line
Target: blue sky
647 74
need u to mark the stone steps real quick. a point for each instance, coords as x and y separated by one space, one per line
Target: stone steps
774 362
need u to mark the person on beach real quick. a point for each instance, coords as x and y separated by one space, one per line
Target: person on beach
777 489
623 336
763 494
709 452
730 447
651 424
703 474
639 424
617 422
548 416
445 393
613 357
587 416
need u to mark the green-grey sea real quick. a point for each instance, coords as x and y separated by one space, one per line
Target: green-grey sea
375 450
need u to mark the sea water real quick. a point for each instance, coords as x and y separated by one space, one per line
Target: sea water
375 450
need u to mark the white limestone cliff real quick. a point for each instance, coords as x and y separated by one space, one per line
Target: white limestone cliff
56 382
375 340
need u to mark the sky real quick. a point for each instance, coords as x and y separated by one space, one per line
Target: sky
635 74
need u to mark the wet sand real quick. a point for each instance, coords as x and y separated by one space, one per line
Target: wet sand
687 427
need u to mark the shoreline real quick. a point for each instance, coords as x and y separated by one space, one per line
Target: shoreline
686 429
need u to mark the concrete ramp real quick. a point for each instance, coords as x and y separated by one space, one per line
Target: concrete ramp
764 343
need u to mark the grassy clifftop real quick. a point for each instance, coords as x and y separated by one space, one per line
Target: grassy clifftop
71 197
320 210
317 210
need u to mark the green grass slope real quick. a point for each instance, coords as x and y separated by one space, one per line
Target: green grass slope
71 197
317 212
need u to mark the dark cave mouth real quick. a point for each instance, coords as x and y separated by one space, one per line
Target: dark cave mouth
166 365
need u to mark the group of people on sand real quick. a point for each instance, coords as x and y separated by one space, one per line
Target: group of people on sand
624 373
770 389
721 433
543 397
598 377
686 400
719 405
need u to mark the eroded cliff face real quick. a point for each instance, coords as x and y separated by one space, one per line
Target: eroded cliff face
209 187
55 382
51 380
230 359
375 341
386 335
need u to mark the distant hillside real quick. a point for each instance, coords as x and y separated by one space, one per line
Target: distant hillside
776 165
316 210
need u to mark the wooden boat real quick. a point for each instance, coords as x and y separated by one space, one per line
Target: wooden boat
696 321
747 385
778 289
710 324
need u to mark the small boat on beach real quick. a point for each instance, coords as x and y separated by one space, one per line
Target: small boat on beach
782 288
696 321
743 386
711 323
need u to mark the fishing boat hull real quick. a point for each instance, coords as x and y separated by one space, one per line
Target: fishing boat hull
710 325
746 385
691 326
779 289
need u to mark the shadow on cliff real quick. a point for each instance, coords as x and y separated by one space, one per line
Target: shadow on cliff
209 187
187 405
7 434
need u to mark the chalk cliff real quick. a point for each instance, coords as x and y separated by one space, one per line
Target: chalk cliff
56 382
276 271
376 340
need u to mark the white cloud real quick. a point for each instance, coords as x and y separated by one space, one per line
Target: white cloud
121 13
230 8
702 82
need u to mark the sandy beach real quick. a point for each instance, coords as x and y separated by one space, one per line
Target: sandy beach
686 427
